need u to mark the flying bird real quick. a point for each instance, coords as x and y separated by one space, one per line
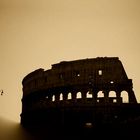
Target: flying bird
1 92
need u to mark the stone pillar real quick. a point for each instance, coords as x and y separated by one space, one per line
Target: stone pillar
83 95
57 97
106 96
74 95
94 94
50 97
65 96
118 96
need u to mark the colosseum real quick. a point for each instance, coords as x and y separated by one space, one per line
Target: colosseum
85 94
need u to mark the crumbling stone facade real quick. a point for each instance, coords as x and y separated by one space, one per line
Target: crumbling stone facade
81 93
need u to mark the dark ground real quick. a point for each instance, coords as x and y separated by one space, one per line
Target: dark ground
14 131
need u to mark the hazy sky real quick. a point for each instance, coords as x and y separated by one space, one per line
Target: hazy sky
37 33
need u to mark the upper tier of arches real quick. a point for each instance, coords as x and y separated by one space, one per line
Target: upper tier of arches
100 73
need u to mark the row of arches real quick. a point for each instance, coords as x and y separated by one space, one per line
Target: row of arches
78 96
100 94
123 95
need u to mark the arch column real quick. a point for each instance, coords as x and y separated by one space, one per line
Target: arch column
74 95
83 92
118 96
65 96
106 95
50 97
57 97
94 94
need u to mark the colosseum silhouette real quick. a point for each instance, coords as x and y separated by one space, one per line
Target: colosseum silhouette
87 93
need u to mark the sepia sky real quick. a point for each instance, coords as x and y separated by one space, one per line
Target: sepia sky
37 33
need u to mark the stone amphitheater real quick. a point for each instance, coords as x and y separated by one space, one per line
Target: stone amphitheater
85 94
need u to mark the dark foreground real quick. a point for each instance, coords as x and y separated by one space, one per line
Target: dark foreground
14 131
100 122
106 131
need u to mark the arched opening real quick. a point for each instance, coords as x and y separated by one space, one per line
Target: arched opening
53 98
69 96
89 95
88 125
100 94
79 95
61 97
100 72
112 94
124 95
111 82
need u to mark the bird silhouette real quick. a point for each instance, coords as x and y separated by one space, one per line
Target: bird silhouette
1 92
